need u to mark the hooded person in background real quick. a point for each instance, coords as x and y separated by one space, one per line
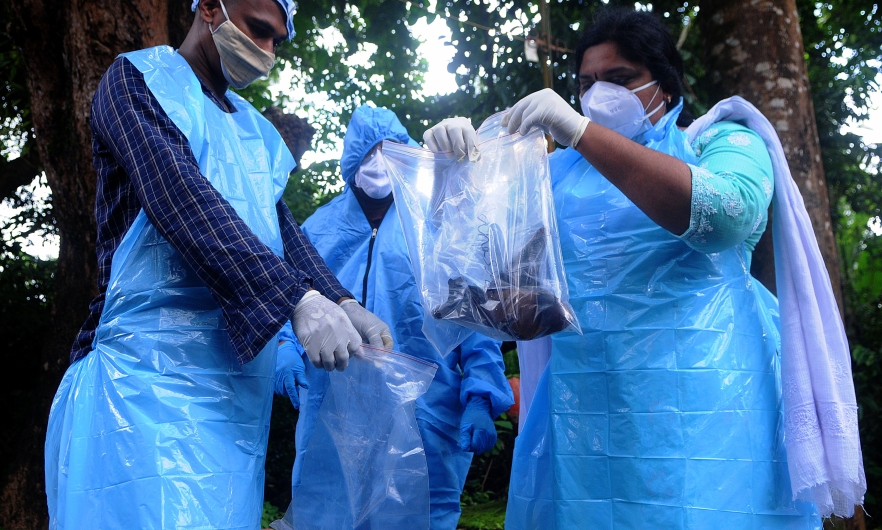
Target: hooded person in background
359 235
162 419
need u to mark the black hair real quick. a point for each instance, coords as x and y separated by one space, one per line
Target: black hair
639 37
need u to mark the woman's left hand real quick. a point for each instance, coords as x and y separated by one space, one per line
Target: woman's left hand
548 111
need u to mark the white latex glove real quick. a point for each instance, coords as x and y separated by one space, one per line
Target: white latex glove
454 134
325 331
548 111
373 330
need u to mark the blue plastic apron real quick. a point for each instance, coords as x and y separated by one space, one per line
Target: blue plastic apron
159 426
666 413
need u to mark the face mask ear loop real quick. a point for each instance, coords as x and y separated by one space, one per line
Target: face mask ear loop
647 116
644 87
224 9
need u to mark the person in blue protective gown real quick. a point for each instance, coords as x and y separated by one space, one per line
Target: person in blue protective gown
162 419
359 235
667 411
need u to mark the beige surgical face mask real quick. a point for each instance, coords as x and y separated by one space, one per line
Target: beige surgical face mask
242 61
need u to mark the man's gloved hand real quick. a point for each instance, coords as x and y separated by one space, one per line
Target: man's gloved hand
477 433
373 331
290 373
325 331
548 111
454 134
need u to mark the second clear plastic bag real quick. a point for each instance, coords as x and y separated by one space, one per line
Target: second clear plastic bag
364 466
482 238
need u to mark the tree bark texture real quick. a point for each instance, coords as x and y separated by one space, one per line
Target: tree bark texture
756 46
67 46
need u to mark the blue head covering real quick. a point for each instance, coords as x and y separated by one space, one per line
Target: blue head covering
288 6
368 127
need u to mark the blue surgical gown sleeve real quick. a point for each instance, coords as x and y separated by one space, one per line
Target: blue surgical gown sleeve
287 333
732 187
484 373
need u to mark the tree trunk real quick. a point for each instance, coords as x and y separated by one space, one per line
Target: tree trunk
67 46
756 46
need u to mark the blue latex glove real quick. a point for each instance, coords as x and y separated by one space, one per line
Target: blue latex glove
290 373
477 433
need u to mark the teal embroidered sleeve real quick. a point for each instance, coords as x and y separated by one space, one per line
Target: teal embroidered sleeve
732 187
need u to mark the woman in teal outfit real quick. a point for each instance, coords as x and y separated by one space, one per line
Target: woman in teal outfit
667 411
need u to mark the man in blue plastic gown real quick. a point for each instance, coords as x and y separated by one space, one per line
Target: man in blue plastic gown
162 419
359 235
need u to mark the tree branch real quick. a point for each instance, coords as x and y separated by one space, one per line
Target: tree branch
16 173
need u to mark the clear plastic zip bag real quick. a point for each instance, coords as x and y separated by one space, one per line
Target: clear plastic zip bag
364 466
482 238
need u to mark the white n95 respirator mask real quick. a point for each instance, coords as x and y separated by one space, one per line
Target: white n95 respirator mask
372 177
617 108
242 61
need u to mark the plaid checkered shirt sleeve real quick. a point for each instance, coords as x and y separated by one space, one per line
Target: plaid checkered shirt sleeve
256 289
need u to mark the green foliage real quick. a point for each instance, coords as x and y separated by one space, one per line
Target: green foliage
26 289
510 358
843 43
270 514
861 252
312 187
258 92
33 215
26 293
280 454
15 115
363 52
867 374
353 53
485 516
356 53
492 72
